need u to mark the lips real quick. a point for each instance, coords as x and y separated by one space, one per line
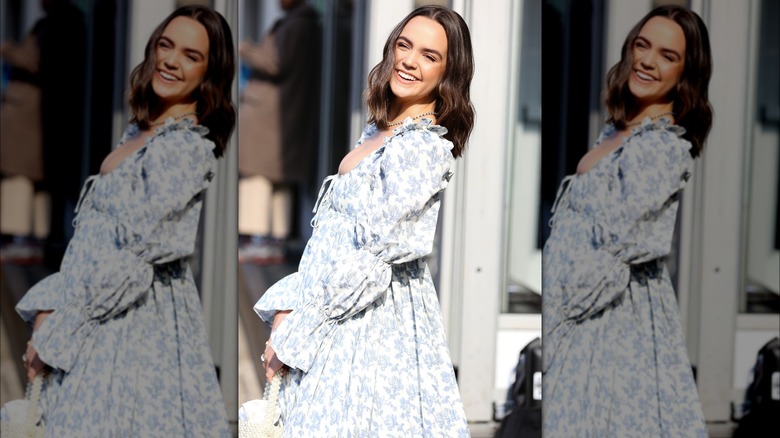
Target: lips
643 76
406 76
167 76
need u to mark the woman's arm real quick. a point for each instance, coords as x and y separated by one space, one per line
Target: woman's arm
651 172
414 169
160 226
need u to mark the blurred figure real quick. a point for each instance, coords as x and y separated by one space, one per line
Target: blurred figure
47 148
613 341
278 120
21 149
118 332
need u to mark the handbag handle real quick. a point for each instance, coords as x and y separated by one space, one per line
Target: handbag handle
272 395
33 395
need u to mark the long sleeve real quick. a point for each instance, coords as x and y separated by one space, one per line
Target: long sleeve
398 228
156 223
651 171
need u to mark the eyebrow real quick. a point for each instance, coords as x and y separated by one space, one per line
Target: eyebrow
186 49
435 52
663 49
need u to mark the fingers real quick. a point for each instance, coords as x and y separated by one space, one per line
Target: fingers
35 367
33 363
274 366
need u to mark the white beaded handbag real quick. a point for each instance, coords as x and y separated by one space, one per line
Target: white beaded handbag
261 418
22 418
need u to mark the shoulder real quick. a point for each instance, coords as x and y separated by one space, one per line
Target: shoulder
183 138
421 139
658 141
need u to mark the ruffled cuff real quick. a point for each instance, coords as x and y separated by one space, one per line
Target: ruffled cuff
61 336
117 284
283 295
594 284
299 338
47 294
353 283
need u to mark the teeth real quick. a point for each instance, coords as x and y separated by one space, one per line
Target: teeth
644 76
406 76
167 76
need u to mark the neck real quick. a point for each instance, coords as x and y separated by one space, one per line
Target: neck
174 110
651 111
400 112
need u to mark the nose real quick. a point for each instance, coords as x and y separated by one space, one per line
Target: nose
648 60
170 60
409 62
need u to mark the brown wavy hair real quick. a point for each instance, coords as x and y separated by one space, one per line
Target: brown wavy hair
214 105
691 106
453 102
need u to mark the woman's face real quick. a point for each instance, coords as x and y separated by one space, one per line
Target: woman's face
658 57
420 55
182 60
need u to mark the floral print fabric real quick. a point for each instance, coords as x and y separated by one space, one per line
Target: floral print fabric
365 342
127 339
615 363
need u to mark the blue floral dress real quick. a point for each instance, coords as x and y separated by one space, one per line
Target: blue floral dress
127 340
365 341
615 364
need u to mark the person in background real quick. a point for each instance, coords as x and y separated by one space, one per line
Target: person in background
278 120
41 166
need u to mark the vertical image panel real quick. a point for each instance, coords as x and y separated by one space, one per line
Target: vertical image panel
117 153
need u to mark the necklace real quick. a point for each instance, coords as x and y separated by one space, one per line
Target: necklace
429 113
655 117
176 118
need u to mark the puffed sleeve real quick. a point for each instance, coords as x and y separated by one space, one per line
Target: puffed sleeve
174 169
652 169
414 169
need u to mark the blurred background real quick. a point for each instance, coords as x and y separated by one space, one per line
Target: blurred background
725 257
487 257
65 70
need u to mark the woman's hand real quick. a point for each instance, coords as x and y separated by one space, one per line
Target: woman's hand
32 362
272 363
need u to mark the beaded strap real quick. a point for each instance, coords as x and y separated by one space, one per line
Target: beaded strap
271 394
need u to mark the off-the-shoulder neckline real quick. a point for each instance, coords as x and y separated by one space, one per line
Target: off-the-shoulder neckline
408 124
646 125
170 124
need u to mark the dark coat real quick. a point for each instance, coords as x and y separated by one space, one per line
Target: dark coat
279 109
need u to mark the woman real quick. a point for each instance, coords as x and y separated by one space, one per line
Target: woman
358 328
119 328
615 363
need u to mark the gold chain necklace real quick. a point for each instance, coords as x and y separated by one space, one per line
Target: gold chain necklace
176 118
655 117
429 113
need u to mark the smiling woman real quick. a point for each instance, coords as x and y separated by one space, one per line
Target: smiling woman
357 331
118 332
182 59
615 363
